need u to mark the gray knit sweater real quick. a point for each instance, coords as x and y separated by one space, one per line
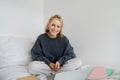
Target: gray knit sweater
48 49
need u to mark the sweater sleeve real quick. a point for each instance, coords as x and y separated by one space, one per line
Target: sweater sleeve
68 53
37 54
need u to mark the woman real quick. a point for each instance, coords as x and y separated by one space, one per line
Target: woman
52 52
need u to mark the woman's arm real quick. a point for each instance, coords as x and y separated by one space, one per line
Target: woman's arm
68 53
37 54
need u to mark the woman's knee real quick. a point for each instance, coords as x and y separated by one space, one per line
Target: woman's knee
78 61
32 67
75 61
35 66
72 64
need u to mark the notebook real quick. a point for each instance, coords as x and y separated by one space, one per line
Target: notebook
109 71
99 72
27 78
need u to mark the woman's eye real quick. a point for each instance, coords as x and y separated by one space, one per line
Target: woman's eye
53 24
58 26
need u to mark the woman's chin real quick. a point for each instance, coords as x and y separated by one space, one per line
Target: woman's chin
54 34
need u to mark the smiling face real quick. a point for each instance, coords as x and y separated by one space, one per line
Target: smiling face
54 28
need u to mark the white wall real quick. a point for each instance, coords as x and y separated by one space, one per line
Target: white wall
93 27
21 17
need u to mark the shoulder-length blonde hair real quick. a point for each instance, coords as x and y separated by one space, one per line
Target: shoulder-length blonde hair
56 16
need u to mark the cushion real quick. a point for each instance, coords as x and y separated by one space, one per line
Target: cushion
14 50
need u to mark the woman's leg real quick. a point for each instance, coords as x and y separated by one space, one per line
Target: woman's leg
37 67
72 64
40 69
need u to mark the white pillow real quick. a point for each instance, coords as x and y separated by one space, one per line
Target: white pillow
15 51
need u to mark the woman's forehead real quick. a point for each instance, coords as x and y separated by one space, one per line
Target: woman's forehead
56 20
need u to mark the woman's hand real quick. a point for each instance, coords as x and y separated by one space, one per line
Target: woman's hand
57 66
52 66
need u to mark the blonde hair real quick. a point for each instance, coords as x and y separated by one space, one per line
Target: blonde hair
56 16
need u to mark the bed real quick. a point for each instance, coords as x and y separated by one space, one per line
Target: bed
15 56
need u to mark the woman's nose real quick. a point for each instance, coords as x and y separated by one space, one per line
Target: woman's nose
55 27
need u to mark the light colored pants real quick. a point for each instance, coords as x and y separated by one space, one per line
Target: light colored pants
40 68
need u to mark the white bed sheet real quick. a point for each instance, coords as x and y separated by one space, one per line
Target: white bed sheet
13 72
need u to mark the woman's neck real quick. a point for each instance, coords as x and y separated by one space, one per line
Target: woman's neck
51 36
